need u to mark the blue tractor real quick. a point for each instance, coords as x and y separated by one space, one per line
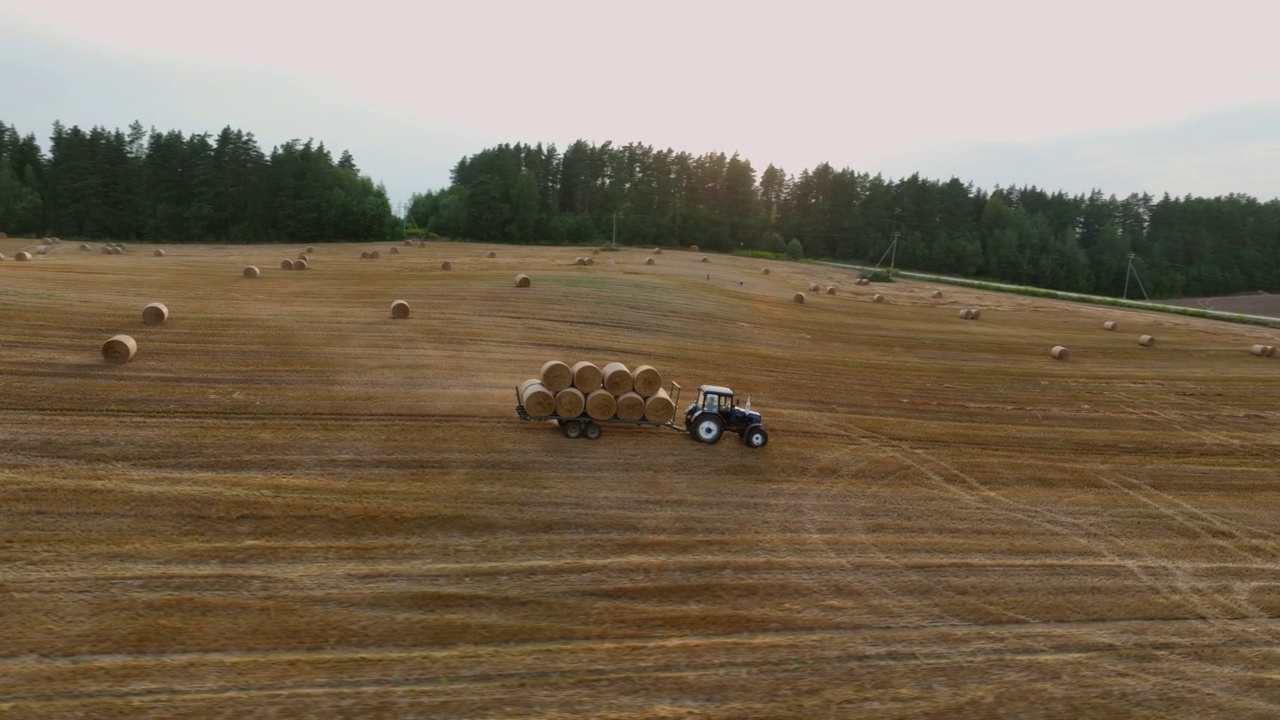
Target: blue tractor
715 412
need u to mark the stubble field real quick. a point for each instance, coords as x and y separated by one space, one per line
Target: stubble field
290 504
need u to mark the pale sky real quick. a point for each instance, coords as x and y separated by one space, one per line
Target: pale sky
1123 96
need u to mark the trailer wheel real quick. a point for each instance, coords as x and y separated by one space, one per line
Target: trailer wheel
572 429
708 427
592 431
755 437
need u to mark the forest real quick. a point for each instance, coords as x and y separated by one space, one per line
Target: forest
166 186
1182 246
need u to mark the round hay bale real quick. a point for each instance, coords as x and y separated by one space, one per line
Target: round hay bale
589 261
877 297
1109 325
302 255
119 349
117 250
374 254
555 376
1 257
22 256
813 287
364 254
408 243
646 380
85 247
617 379
657 251
648 261
286 264
937 294
311 250
42 249
394 250
764 271
106 249
630 406
580 261
1260 350
798 298
1271 351
659 408
491 254
55 241
251 271
705 259
977 314
536 399
586 376
422 243
523 281
446 265
570 402
693 248
1058 353
601 404
595 251
158 252
301 264
831 289
1146 340
966 314
155 313
122 246
400 311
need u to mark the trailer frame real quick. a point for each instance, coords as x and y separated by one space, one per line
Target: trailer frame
586 426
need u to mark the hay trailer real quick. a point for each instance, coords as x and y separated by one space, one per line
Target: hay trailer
707 419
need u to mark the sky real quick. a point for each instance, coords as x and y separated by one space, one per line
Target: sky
1122 96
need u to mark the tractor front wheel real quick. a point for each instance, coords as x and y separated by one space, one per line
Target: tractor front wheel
708 427
755 437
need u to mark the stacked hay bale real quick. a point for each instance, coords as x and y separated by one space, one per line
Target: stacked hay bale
584 388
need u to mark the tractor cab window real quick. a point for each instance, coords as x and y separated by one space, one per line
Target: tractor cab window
711 403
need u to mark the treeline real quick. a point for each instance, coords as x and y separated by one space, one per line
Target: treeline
1182 246
171 187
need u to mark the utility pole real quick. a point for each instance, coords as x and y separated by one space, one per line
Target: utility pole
1127 272
615 229
893 258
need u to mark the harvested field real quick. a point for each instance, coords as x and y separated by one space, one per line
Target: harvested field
1259 303
292 505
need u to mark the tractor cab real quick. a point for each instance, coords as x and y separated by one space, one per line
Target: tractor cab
715 411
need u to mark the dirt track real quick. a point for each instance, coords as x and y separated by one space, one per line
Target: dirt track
291 504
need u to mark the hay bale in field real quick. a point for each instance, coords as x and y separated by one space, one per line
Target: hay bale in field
117 250
400 310
617 378
42 249
155 313
1261 350
374 255
877 297
589 261
693 248
422 243
659 408
937 294
580 261
966 314
1058 353
286 264
646 380
408 243
657 251
630 406
862 281
55 241
446 265
555 375
158 252
705 259
491 254
601 404
798 298
119 349
85 247
364 254
570 402
1109 325
1271 351
648 261
977 314
813 287
764 271
1 257
831 289
106 249
394 250
523 281
536 399
122 246
251 271
301 264
586 376
311 250
302 255
22 256
1146 340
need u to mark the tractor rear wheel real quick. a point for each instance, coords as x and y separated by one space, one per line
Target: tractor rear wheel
592 431
573 429
708 427
755 437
